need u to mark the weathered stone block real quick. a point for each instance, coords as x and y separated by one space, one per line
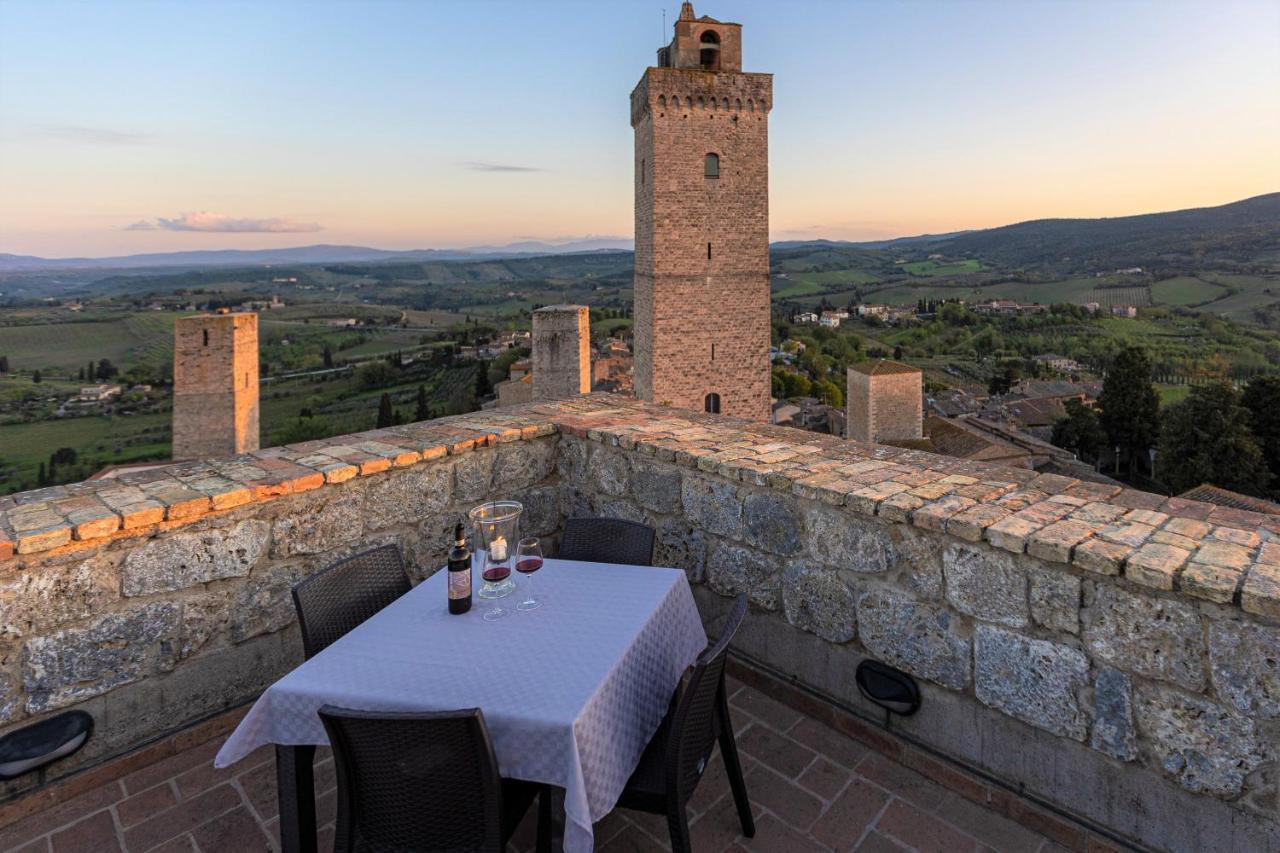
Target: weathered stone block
541 515
571 460
732 570
1146 635
332 518
1100 557
915 636
1055 599
1204 746
609 472
1113 731
55 595
772 522
656 487
1035 681
985 583
523 463
838 538
681 546
1155 565
187 559
203 618
263 604
713 505
1244 662
72 665
1261 591
406 497
816 600
9 697
920 554
473 475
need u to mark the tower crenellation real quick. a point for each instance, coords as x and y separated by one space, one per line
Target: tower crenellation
702 224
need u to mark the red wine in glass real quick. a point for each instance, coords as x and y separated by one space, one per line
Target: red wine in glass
528 561
496 574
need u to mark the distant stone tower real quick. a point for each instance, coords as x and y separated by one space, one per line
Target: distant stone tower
215 385
702 224
561 352
885 401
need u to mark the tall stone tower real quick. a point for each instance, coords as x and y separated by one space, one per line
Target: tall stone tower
702 224
215 385
885 401
561 344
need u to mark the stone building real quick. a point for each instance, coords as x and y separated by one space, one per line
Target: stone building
702 224
561 352
215 385
885 400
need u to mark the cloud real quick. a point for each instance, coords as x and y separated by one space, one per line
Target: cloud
88 135
220 224
480 166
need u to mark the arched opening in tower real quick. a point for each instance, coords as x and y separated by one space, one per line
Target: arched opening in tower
709 55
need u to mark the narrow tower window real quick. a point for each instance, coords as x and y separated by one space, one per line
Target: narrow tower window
641 173
708 251
711 166
713 352
712 403
206 337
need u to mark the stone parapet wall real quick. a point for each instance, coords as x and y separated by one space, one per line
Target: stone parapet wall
183 609
1112 651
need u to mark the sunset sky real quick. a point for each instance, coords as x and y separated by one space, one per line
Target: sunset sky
150 126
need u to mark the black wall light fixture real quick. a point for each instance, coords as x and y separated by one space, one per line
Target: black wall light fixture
891 689
35 746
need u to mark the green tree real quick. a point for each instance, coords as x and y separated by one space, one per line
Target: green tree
484 380
1206 439
422 407
93 372
327 355
4 364
1130 405
1262 398
1004 379
386 414
107 370
376 374
36 377
828 392
1080 431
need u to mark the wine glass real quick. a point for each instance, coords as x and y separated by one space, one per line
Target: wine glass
528 561
494 574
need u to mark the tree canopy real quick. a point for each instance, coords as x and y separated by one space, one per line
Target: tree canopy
1129 403
1206 439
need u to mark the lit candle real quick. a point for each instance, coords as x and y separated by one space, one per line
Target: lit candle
498 549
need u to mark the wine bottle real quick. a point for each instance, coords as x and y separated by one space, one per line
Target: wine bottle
459 573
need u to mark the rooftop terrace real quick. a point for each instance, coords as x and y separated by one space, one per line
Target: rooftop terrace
1095 662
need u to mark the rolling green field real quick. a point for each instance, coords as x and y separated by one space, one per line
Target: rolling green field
66 347
942 267
1185 290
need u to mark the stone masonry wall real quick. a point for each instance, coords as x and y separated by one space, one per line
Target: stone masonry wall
884 406
186 611
215 385
561 352
702 244
1108 651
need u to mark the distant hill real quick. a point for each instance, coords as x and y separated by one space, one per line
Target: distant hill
867 244
320 254
1239 231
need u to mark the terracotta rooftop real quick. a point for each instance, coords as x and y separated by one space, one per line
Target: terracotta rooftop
1222 497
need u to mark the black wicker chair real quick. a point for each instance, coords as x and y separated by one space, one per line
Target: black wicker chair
337 599
607 540
672 763
427 781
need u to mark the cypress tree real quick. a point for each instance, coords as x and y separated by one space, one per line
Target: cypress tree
386 416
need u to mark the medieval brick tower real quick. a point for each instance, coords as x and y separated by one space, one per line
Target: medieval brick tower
215 385
702 224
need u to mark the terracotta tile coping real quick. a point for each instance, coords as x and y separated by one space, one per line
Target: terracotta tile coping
1212 553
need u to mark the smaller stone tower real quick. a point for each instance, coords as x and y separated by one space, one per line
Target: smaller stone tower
215 385
885 401
561 352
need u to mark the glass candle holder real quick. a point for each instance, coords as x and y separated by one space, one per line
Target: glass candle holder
497 526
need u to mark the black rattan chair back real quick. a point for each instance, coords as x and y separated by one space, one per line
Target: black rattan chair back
337 599
414 781
696 725
607 540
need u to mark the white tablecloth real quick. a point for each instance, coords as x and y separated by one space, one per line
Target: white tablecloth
571 692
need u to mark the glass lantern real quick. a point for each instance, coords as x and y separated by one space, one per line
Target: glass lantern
497 526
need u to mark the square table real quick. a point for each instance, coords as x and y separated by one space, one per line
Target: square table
571 692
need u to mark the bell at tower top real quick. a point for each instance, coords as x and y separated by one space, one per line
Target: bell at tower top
703 43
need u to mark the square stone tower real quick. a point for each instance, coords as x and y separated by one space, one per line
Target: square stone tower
702 224
885 401
215 385
561 352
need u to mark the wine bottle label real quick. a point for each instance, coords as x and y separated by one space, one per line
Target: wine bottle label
459 584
